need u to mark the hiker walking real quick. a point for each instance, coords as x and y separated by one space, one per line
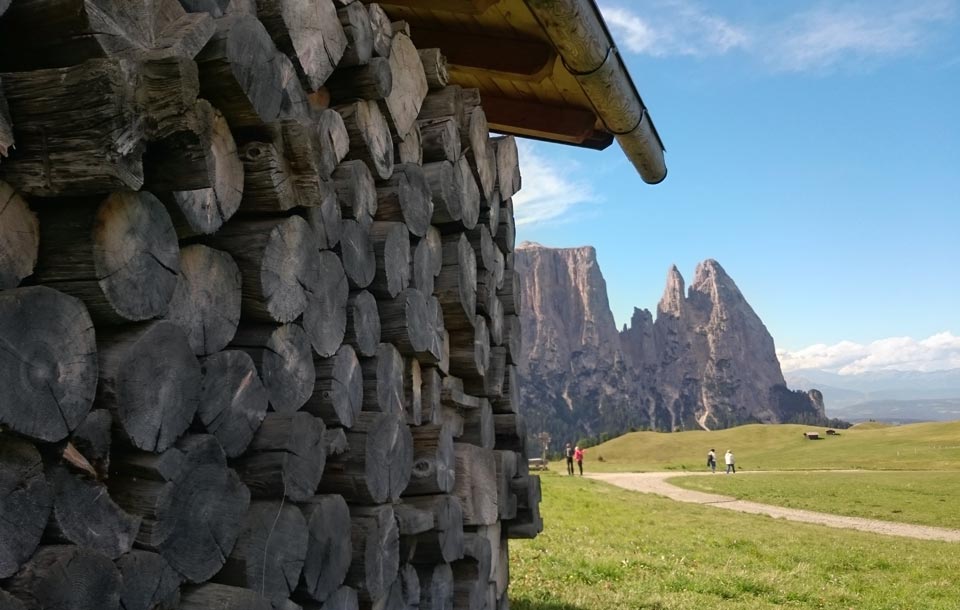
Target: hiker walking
578 456
712 461
728 460
568 453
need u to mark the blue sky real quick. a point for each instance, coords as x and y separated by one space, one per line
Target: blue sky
813 150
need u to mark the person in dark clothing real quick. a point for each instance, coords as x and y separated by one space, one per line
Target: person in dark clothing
568 452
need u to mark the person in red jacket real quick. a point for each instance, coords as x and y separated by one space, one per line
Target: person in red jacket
578 456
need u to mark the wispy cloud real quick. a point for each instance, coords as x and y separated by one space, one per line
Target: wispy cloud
938 352
549 190
673 27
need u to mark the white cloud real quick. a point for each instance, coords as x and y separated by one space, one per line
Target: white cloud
549 190
938 352
673 27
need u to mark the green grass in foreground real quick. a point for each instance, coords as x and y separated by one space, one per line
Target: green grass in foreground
925 498
605 548
929 446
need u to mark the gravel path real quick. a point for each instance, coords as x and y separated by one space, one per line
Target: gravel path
655 483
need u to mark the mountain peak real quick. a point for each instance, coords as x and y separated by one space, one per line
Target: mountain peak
671 303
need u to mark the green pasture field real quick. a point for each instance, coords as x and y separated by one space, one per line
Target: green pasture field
604 548
928 446
924 498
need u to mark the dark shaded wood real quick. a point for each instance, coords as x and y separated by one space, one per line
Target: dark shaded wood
363 323
433 461
441 139
309 33
412 520
336 440
67 577
490 210
478 426
313 149
383 380
444 543
435 68
376 469
216 8
391 243
511 431
25 502
356 191
233 400
405 322
409 149
510 293
482 158
446 190
6 131
152 399
436 587
344 598
382 30
412 392
376 551
338 394
453 395
370 81
92 440
212 595
443 103
19 236
269 555
120 256
369 136
456 285
471 574
48 364
85 515
496 322
357 253
284 359
440 344
506 236
402 104
476 484
326 221
512 338
506 471
427 261
470 197
430 394
359 32
286 457
406 197
325 317
268 182
206 301
491 385
149 583
329 548
484 247
505 57
509 399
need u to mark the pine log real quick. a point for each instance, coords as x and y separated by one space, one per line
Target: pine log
377 467
309 33
284 359
444 103
430 393
269 555
508 166
471 575
19 237
511 431
357 253
509 399
483 246
433 461
326 221
356 191
491 385
436 587
382 30
470 350
325 318
370 81
149 583
447 191
92 440
500 268
344 598
277 260
506 471
496 321
405 322
412 520
25 502
453 395
313 148
376 551
435 68
412 392
528 522
212 595
6 131
506 236
478 426
152 399
120 256
338 394
206 301
403 103
67 577
359 32
476 483
286 457
391 243
363 324
48 364
482 158
444 543
329 548
268 182
383 380
510 293
409 149
470 196
85 515
441 140
456 285
440 345
512 338
39 34
490 212
406 197
233 400
427 261
369 136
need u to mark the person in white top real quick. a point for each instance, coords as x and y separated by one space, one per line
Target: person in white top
728 460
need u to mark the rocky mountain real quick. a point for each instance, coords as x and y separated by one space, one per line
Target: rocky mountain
706 361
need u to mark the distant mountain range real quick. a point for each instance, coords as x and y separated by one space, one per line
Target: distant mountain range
899 396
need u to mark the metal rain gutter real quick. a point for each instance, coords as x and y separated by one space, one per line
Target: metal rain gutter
577 30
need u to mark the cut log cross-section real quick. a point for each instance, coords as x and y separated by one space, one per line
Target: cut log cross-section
441 140
309 33
382 30
67 577
325 317
363 324
383 380
405 322
233 400
436 587
25 502
329 548
433 461
456 285
372 81
359 32
283 356
369 136
268 184
376 551
508 166
286 457
403 103
435 68
356 191
338 395
427 261
391 243
148 582
19 237
444 543
213 595
406 196
409 148
476 484
447 191
357 253
470 197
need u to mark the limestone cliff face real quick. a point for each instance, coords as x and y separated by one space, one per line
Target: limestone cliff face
707 361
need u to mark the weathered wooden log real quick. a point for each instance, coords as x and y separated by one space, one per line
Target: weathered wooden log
363 324
487 293
508 166
84 515
152 399
412 392
212 595
506 471
6 131
370 81
377 467
268 182
430 393
382 30
199 167
470 194
496 321
511 431
482 158
510 293
48 366
409 148
25 502
512 338
427 260
369 136
215 8
433 461
436 587
491 385
484 247
509 399
500 268
344 598
440 347
506 236
383 380
309 33
120 256
284 359
456 285
490 211
38 34
192 504
444 103
446 190
359 32
434 68
149 583
406 197
441 140
405 322
376 550
206 301
92 440
470 349
471 575
528 522
233 400
475 484
7 601
277 260
269 555
453 395
64 576
391 243
325 317
19 237
338 394
326 221
478 428
357 253
412 520
356 191
286 457
313 149
329 548
444 543
402 105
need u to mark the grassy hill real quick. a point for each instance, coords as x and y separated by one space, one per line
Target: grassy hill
926 446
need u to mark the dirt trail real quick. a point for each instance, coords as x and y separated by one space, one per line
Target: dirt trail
655 483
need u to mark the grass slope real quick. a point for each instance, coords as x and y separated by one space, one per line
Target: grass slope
927 446
605 548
